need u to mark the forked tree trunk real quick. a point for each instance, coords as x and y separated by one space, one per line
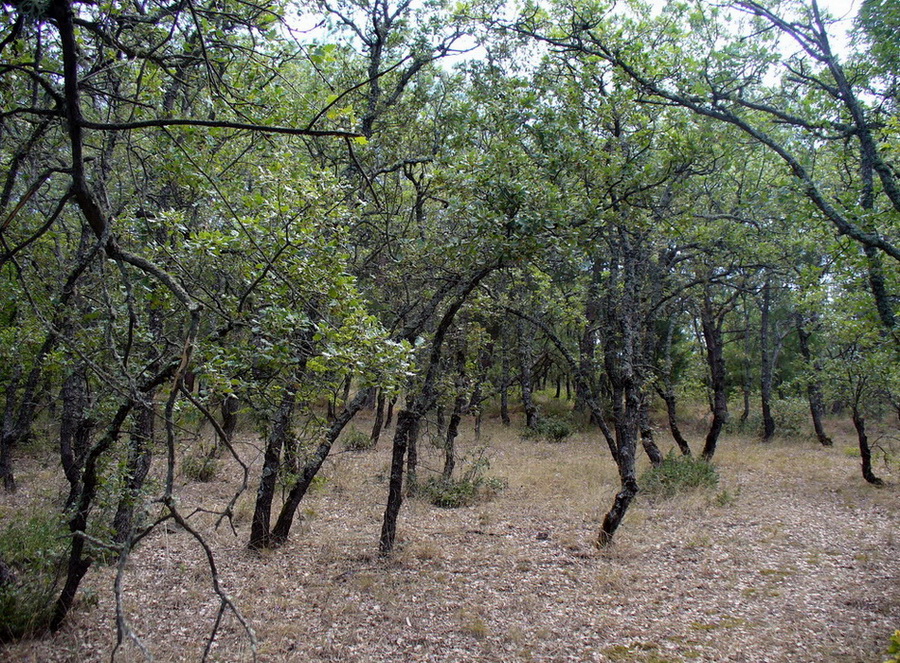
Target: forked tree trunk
78 563
409 418
311 468
265 494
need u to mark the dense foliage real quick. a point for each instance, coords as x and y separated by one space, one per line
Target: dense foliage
209 214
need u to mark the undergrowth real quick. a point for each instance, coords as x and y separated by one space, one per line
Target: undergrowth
32 552
356 440
473 486
552 429
678 474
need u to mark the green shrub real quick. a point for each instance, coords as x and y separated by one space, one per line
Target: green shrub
200 468
791 416
677 474
356 440
894 648
474 486
32 552
552 428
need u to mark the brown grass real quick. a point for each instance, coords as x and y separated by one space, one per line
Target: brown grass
791 558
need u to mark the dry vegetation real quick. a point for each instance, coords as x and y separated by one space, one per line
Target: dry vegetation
791 558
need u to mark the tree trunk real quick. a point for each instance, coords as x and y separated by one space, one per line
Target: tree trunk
408 419
747 382
230 408
646 428
626 437
671 413
813 390
281 429
865 451
504 389
74 429
140 455
525 376
715 359
766 364
311 468
412 458
379 419
78 563
389 417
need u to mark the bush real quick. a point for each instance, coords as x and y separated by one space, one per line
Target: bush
678 474
552 429
32 556
200 468
894 648
791 415
474 486
356 440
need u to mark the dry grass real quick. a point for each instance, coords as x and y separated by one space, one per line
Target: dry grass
791 558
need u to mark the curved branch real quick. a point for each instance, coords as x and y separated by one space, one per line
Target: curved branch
215 124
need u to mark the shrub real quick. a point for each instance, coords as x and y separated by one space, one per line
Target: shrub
474 486
200 468
356 440
32 555
894 648
791 416
552 429
677 474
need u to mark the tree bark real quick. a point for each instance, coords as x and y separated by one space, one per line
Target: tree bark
646 428
504 388
378 424
813 389
311 467
711 325
260 536
408 419
865 451
525 376
140 456
766 364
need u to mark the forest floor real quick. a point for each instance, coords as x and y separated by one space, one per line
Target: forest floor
791 558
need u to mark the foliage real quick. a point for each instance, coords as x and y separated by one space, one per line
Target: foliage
357 440
33 549
791 415
200 467
552 428
474 486
678 474
894 648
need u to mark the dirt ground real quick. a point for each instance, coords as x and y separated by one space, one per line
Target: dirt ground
792 558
